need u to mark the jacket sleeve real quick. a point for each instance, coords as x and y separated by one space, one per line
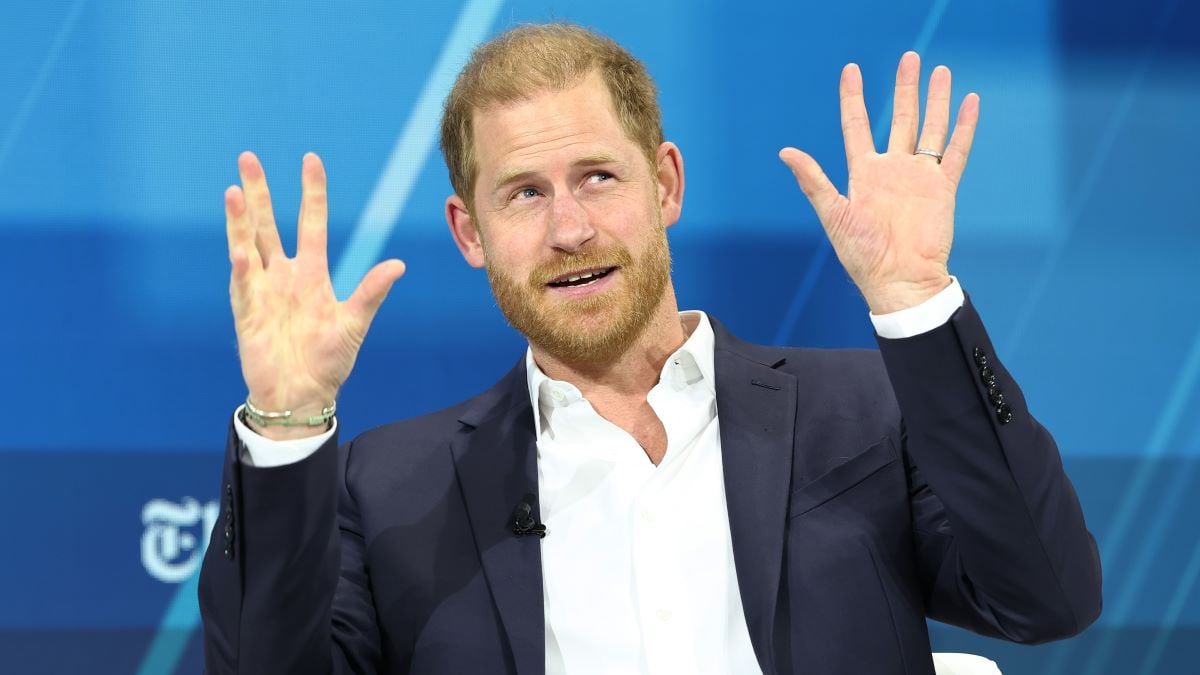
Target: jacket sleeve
1000 535
284 585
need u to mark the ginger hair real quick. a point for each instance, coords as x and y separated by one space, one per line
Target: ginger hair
532 59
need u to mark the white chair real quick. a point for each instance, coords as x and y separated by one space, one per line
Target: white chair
945 663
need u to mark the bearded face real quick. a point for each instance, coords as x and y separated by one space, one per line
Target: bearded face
588 306
568 217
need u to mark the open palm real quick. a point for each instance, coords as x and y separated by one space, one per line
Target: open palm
296 341
894 227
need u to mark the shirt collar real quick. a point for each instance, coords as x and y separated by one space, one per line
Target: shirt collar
692 363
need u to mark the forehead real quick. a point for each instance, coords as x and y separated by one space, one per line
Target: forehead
579 120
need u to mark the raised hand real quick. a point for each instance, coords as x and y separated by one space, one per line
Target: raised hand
893 228
296 341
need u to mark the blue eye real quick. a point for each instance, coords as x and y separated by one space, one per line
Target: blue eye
599 176
525 193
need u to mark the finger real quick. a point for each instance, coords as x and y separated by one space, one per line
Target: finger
258 201
937 111
906 105
364 302
821 192
242 252
856 127
314 209
955 159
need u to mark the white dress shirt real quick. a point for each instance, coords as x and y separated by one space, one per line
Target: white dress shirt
637 565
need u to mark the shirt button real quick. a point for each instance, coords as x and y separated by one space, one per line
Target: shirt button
664 615
557 395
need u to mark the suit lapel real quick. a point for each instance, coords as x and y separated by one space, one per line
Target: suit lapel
756 406
495 456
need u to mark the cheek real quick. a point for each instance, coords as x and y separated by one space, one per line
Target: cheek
626 217
618 212
513 254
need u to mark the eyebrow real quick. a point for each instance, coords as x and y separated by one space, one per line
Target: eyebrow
518 174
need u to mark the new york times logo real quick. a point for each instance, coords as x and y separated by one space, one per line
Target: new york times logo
175 537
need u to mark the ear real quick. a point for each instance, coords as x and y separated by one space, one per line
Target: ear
669 165
465 231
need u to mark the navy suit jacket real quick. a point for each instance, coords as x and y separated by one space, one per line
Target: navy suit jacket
866 491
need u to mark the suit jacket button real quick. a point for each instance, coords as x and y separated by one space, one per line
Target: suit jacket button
1004 413
229 552
229 533
987 376
995 396
980 357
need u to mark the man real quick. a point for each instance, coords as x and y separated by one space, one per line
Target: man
643 493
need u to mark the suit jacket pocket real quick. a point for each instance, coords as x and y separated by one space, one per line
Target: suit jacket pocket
842 477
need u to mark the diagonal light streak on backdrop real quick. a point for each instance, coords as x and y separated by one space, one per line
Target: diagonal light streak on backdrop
1113 542
383 209
39 80
1171 618
820 256
1098 162
1150 547
1173 414
175 629
411 152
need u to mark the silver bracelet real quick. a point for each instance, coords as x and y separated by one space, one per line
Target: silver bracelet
265 418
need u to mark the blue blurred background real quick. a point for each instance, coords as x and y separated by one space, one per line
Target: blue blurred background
120 123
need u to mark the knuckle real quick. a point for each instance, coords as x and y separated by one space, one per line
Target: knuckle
935 128
853 123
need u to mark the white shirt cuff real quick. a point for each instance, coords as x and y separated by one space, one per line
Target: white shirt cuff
922 318
264 452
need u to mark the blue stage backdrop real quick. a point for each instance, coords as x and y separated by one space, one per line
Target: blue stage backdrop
1078 238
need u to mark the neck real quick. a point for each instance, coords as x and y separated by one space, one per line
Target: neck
637 369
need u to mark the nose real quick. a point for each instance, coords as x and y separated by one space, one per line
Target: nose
570 225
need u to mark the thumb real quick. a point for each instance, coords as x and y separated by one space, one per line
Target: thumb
366 299
813 182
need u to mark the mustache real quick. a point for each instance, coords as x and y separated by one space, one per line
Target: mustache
615 256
